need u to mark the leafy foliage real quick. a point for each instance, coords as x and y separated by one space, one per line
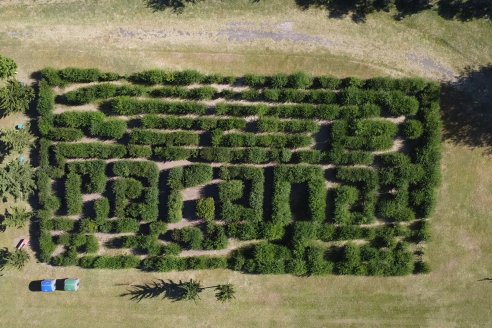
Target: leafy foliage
16 217
17 180
8 67
15 97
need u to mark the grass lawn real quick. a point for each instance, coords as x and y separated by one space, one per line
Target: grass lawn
62 33
236 36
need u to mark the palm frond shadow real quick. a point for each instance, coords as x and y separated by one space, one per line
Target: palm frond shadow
160 288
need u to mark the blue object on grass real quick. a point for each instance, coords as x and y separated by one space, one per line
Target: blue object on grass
21 159
48 286
19 126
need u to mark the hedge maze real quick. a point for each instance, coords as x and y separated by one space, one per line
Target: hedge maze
164 171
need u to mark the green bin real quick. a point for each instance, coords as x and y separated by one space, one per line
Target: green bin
71 285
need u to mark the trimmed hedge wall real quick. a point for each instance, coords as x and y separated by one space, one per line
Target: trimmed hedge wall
397 188
68 75
268 140
149 137
284 176
232 190
90 150
100 91
129 106
185 123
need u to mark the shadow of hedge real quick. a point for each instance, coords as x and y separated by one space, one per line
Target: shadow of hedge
176 6
467 109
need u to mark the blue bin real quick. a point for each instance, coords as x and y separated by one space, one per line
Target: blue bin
48 286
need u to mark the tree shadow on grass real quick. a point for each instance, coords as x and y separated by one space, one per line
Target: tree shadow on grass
467 109
159 288
176 6
359 9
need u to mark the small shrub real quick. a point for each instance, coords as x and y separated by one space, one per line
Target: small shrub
205 209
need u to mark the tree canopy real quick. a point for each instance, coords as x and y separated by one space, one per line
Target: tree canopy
8 67
15 97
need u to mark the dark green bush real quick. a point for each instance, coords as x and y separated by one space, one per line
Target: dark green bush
137 151
187 77
256 81
93 172
174 153
163 263
78 119
269 258
278 81
214 237
110 128
316 263
151 77
91 244
205 209
175 206
65 134
126 225
350 262
73 194
299 80
195 175
189 237
412 129
171 249
327 82
101 210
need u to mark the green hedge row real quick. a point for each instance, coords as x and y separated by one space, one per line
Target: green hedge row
149 137
224 154
100 91
90 150
301 80
109 262
142 169
180 178
210 238
93 172
284 176
65 134
44 107
268 140
187 77
95 123
268 95
393 103
368 260
296 80
73 194
68 75
185 123
172 263
304 111
246 155
199 93
355 202
129 106
363 134
291 126
132 200
233 190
